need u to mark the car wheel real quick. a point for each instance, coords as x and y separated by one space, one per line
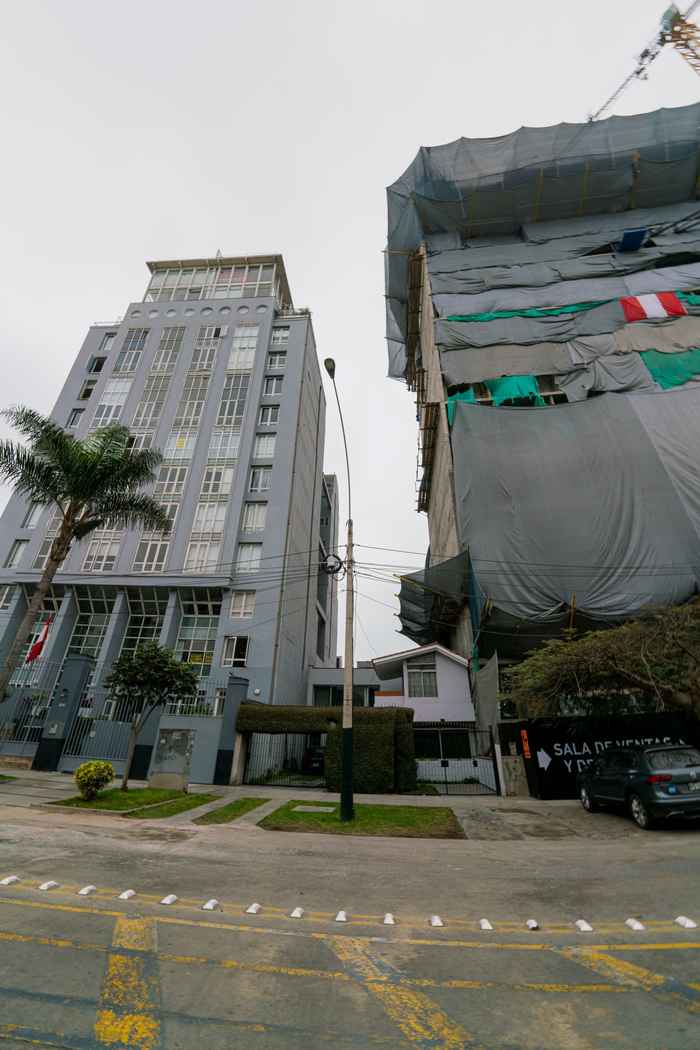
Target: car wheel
587 801
639 813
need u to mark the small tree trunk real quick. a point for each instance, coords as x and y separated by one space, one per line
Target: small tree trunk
133 735
58 554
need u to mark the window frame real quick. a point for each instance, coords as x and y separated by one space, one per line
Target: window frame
229 650
245 613
15 553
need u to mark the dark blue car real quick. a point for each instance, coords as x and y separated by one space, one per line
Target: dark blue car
652 783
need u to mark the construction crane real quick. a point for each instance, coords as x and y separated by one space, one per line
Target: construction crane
675 29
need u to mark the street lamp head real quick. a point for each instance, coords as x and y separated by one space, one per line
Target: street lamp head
329 365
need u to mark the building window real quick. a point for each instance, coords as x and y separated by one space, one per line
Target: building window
149 408
248 557
277 360
269 415
170 509
206 346
107 342
194 396
74 418
254 515
151 556
272 386
199 624
179 445
16 551
31 518
101 555
260 478
264 446
168 349
422 678
242 355
171 482
111 403
202 556
217 482
235 651
87 389
130 354
224 444
138 442
146 613
209 517
233 400
7 593
96 364
225 281
242 604
280 335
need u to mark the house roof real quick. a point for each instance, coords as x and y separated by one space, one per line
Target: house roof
391 666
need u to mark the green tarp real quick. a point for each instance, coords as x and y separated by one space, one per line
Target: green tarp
508 388
532 311
671 370
466 395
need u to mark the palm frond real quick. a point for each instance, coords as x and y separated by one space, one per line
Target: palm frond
35 427
129 509
31 475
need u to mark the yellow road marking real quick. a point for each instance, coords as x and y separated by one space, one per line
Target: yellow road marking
662 988
420 1020
127 1013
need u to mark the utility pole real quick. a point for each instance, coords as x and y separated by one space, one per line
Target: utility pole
347 811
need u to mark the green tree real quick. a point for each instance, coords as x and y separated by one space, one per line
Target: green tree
655 658
93 483
147 680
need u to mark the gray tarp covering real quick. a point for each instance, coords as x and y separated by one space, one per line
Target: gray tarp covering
616 372
556 328
431 599
563 293
476 364
599 499
486 694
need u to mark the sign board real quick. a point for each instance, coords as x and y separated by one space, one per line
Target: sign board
556 750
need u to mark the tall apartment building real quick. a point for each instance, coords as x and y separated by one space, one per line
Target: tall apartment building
541 305
218 370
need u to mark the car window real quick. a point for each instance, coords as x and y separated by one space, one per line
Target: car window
674 758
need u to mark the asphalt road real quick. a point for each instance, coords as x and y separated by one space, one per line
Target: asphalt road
89 972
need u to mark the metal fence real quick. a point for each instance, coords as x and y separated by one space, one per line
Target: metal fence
24 714
285 760
456 760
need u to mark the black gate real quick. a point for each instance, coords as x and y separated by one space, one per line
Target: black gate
456 759
286 760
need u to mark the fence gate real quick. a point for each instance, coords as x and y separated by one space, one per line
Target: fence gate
21 725
286 760
104 736
456 760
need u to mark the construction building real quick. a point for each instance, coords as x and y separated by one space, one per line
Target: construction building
543 308
216 368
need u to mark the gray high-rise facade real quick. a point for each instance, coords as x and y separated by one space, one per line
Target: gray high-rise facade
217 369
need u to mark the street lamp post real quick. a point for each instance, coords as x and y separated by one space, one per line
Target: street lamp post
346 799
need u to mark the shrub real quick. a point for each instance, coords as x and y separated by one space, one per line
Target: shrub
91 777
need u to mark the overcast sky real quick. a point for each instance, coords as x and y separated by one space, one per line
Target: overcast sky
169 130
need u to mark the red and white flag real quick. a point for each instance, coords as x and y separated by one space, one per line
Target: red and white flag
658 304
35 649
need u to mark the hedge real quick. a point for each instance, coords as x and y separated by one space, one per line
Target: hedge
383 751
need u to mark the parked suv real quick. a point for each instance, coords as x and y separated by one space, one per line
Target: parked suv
652 783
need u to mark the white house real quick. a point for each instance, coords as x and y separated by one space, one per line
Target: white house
432 680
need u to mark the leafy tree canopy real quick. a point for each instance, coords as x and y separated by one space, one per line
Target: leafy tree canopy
151 676
654 661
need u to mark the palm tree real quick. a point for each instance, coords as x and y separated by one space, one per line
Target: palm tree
94 483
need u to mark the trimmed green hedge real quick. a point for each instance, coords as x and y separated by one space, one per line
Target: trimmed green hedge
383 751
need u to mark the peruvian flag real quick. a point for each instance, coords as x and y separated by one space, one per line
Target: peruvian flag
658 304
35 649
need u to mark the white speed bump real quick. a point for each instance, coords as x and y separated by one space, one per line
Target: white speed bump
532 924
484 924
50 885
389 919
582 926
341 917
170 899
211 905
685 922
297 913
9 880
253 909
86 891
435 920
127 895
634 924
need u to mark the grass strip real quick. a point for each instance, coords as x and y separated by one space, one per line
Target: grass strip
171 809
3 777
115 800
231 811
425 822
